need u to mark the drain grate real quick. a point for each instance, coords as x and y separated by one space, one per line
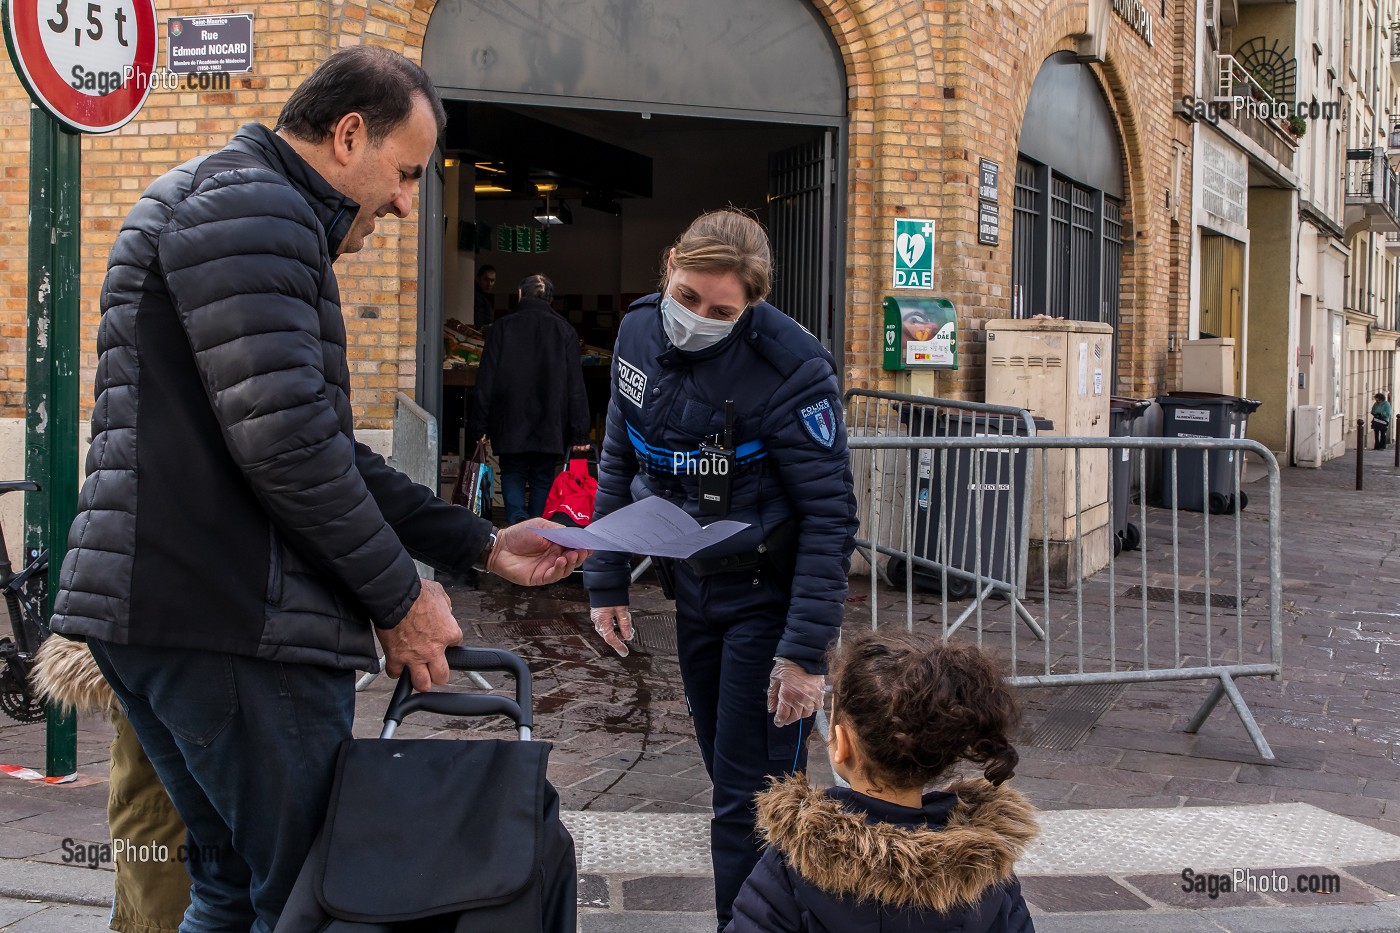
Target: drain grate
541 628
655 631
1165 594
1069 720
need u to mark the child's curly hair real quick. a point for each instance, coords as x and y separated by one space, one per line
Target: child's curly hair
918 706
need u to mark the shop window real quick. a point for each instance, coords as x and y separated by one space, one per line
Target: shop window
1066 247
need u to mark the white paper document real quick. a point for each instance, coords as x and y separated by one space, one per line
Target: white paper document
653 527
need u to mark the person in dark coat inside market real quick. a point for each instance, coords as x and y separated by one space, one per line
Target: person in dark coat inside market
882 855
530 400
731 409
483 305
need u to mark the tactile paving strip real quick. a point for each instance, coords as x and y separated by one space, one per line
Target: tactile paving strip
1072 842
1093 842
641 843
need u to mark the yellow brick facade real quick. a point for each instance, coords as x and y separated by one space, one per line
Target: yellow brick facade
934 86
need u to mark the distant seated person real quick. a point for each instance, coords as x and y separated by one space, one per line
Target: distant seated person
1382 414
530 400
484 309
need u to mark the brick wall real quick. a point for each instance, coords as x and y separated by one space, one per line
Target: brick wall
933 87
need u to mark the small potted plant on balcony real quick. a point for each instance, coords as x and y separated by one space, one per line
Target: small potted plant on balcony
1297 126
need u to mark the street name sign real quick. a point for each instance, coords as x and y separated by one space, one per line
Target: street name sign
212 44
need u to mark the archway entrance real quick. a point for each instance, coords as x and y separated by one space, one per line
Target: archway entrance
1068 235
623 120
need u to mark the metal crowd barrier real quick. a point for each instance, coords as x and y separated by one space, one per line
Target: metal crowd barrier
924 548
1189 603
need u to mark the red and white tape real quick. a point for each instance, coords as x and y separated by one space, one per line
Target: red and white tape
29 774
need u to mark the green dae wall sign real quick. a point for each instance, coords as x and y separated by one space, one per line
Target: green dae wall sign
920 333
913 254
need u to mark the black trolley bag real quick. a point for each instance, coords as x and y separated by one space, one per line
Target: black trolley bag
441 836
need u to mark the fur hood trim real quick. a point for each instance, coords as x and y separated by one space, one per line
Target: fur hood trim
66 675
943 870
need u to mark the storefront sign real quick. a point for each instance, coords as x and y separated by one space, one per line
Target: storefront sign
89 67
203 44
1136 15
913 254
988 223
920 333
988 173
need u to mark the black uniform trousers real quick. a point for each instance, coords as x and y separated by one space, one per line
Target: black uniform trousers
727 631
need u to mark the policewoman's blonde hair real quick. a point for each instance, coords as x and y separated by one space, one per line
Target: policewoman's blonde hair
725 241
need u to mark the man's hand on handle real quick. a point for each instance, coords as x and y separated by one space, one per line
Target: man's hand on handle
420 641
614 623
523 557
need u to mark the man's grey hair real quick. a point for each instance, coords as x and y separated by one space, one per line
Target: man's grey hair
537 286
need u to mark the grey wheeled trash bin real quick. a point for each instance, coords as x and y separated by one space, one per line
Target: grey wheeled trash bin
946 484
1203 414
1123 413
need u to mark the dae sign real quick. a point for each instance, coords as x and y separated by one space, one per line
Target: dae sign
88 64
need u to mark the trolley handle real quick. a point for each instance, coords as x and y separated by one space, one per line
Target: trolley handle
406 700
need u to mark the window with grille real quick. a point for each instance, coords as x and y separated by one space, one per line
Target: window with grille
1067 247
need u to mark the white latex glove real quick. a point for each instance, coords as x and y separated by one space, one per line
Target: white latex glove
793 693
614 623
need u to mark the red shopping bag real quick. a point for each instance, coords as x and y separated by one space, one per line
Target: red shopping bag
570 500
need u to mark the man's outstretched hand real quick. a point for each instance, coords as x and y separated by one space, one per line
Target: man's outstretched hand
523 557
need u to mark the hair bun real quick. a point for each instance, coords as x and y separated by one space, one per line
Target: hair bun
1001 760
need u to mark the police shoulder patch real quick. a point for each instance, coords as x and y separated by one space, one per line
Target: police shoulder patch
819 420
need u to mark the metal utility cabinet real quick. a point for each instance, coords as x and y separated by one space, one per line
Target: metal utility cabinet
1061 371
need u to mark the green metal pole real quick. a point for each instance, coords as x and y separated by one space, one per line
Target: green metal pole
51 434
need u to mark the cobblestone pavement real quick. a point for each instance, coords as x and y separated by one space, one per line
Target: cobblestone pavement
623 743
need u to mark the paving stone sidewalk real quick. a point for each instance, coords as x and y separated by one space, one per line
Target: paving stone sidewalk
623 743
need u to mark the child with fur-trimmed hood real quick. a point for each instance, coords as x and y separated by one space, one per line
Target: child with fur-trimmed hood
882 855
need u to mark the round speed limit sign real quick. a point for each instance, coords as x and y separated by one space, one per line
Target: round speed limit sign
89 64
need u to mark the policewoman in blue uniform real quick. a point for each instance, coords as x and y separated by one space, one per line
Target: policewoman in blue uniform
730 409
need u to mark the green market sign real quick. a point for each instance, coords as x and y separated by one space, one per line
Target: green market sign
913 254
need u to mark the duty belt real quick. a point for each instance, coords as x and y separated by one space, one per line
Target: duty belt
777 553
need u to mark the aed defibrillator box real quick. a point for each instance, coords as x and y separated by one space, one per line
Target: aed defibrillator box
920 333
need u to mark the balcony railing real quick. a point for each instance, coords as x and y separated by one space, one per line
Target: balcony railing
1395 43
1373 186
1232 80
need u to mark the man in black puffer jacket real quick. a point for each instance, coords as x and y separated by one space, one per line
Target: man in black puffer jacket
234 542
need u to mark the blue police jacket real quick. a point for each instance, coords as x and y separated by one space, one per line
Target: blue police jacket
790 445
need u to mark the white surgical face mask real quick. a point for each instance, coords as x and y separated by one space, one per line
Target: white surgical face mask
688 330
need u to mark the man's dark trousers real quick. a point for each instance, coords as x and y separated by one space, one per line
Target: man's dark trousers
246 749
727 631
518 470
